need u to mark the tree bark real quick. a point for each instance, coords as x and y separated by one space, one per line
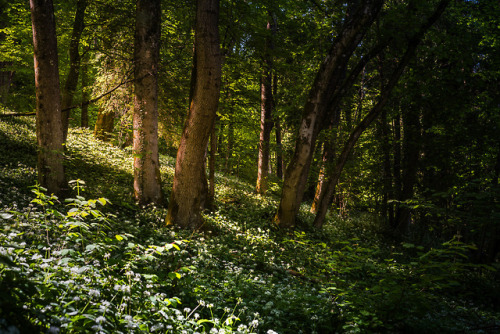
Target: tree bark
104 125
211 167
147 180
266 118
48 99
84 119
323 97
69 88
189 191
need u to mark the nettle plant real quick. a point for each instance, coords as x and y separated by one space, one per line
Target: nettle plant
73 268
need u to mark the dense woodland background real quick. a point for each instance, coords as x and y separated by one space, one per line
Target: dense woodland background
316 166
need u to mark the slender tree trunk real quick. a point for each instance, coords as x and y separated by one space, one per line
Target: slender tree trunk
397 164
147 180
327 161
321 100
266 120
411 150
388 193
84 121
48 99
211 167
228 165
69 88
279 146
189 191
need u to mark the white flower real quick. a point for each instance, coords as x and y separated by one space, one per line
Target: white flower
100 319
271 332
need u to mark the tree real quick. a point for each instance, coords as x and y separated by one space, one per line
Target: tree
147 181
48 99
323 97
189 191
392 80
69 88
266 106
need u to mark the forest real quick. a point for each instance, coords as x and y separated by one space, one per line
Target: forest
249 166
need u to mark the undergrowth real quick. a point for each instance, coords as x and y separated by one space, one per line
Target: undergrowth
96 262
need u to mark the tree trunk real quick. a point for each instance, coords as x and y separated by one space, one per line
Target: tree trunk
104 125
323 97
211 167
147 180
74 65
375 112
397 165
279 146
266 120
84 122
5 80
189 191
48 99
327 160
411 150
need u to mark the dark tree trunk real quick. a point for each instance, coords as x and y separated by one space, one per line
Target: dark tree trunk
147 180
211 167
397 164
411 150
69 88
374 113
189 191
323 97
48 99
279 146
388 193
266 120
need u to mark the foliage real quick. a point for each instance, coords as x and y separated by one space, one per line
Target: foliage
107 265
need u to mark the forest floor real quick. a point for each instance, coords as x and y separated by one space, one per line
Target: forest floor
96 262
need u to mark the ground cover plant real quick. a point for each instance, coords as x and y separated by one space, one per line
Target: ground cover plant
96 262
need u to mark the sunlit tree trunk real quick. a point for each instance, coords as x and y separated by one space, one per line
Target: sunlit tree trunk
147 180
104 125
69 88
189 191
84 121
323 96
48 99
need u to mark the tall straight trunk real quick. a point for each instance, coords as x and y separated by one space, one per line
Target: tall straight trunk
211 167
189 191
324 97
69 88
388 193
48 99
266 120
279 146
228 164
411 150
147 180
397 164
84 119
